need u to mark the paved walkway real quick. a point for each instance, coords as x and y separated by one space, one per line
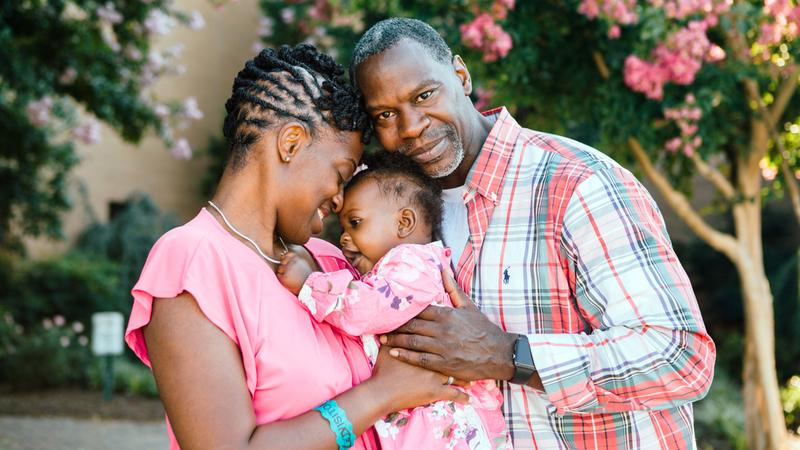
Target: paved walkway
62 433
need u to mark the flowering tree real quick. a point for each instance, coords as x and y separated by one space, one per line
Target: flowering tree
674 87
67 66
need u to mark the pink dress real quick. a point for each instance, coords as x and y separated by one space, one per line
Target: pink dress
292 362
403 283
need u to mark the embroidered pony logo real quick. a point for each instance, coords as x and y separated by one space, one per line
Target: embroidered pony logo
506 276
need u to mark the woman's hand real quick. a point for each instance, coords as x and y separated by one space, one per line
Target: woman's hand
408 386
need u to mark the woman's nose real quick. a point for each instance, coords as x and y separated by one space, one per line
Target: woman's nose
338 200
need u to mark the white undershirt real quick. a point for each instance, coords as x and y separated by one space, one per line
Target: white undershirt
455 227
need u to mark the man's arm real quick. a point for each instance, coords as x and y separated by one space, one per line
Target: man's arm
649 348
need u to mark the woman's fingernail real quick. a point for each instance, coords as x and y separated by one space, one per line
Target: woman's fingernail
384 340
394 352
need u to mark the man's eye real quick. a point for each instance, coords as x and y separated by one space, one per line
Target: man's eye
424 96
385 115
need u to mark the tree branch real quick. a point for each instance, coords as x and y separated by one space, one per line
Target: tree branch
722 242
791 186
714 176
602 67
784 93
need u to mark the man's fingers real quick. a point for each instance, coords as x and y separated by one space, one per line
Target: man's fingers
418 326
415 342
421 359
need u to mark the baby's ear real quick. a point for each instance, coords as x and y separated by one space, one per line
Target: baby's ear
406 222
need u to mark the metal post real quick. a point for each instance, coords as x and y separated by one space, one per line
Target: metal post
108 377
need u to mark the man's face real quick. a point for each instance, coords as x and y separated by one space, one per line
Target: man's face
418 105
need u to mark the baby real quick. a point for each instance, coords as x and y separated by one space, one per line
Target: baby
391 219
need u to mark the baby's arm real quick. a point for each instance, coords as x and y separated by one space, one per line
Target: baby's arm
403 284
293 271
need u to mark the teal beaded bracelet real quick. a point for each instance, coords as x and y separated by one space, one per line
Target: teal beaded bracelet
339 424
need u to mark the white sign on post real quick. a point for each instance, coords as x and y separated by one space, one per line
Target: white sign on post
107 328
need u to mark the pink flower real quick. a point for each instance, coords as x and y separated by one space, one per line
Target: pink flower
688 149
68 76
39 111
109 13
644 77
265 27
77 327
484 97
614 32
673 144
87 132
485 35
59 320
47 324
196 20
83 341
181 150
191 110
500 8
161 110
159 23
287 15
64 340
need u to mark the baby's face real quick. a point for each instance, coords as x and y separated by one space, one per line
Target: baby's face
369 223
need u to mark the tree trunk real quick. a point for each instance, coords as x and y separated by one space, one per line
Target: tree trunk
764 421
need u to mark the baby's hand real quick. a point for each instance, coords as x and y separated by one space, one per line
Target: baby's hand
293 272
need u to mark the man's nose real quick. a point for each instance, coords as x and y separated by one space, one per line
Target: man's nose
412 124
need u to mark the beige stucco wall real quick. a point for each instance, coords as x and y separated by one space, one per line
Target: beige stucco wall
113 169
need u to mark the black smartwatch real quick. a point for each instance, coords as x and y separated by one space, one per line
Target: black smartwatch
523 361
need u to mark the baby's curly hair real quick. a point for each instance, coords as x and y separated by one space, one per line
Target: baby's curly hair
399 176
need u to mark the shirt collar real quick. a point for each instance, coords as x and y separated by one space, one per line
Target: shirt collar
488 172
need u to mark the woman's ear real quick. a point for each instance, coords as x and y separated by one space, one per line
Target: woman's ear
406 222
292 137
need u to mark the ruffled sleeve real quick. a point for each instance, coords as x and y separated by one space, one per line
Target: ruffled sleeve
182 261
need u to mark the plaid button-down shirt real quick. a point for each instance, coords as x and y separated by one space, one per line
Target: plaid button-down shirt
568 248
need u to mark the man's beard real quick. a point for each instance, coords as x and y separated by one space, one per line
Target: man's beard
456 146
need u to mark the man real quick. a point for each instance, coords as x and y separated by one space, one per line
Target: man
585 314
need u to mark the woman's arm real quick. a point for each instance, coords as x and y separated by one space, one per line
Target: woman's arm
201 381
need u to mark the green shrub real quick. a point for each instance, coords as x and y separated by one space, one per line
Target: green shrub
51 354
126 239
719 418
73 285
130 378
790 397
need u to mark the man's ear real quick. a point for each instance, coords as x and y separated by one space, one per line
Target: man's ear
406 222
292 137
463 74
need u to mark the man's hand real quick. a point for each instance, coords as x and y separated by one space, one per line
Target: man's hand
293 271
460 341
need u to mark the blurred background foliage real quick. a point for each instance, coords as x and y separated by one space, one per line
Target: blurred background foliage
552 63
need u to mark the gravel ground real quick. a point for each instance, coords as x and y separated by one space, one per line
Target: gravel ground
62 433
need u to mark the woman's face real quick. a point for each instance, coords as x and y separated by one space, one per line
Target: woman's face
315 183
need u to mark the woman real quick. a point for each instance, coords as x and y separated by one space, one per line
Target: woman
238 362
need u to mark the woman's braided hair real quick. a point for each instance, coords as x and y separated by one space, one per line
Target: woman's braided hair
297 83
